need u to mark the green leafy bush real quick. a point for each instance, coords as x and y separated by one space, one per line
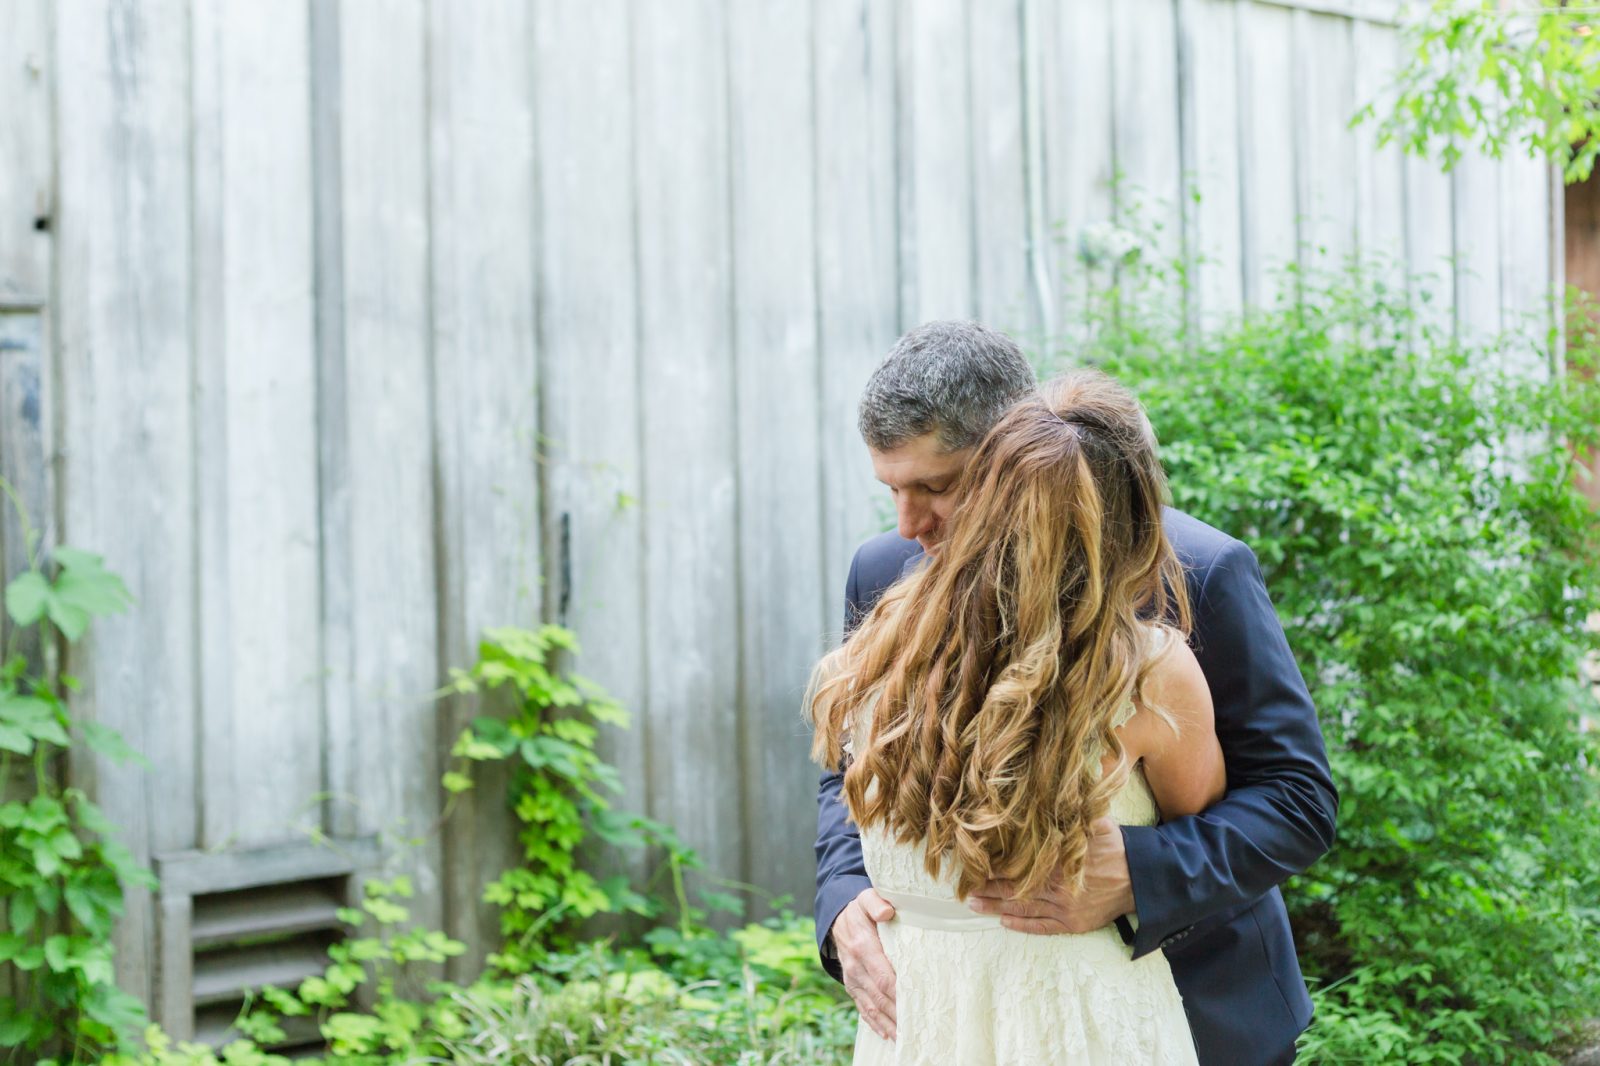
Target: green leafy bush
1499 74
559 791
1412 503
61 868
754 997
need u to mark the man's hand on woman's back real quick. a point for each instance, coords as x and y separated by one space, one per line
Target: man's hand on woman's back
868 975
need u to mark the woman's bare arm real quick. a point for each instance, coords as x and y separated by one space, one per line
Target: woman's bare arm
1184 768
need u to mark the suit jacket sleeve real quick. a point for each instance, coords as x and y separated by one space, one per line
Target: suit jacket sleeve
1278 815
841 869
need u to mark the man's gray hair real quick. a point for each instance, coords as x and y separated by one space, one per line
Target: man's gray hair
950 378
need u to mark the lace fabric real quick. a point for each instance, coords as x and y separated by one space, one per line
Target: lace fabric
984 994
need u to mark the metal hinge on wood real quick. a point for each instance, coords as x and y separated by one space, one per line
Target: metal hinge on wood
239 920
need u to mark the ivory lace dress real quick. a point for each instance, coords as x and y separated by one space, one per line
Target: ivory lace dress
969 992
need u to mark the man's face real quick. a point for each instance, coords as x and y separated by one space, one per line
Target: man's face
922 479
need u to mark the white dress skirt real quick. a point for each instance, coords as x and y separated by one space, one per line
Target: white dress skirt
969 992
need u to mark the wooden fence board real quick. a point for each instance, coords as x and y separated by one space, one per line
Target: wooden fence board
1208 43
1380 172
1526 285
857 310
123 305
1144 67
938 256
589 371
255 422
23 366
1476 198
692 560
1079 154
26 254
1002 288
381 715
781 620
485 401
1326 93
1270 223
1430 239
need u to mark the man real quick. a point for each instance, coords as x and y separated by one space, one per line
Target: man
1203 889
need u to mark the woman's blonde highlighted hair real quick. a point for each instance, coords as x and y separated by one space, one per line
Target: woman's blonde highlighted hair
984 690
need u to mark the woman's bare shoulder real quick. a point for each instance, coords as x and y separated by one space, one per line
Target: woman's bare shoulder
1175 696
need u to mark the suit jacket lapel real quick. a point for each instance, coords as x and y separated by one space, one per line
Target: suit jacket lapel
911 563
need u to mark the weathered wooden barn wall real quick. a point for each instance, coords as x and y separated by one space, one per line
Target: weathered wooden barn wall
347 329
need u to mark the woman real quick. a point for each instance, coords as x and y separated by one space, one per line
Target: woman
1032 678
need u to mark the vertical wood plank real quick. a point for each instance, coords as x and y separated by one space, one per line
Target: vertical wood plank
1475 182
589 370
1144 100
1327 171
26 150
22 460
1208 42
379 593
255 423
857 320
1380 172
1000 218
23 365
1269 211
1526 290
779 422
1078 151
27 179
127 482
482 230
937 251
686 294
333 450
1430 239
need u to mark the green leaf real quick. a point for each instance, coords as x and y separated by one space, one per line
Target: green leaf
15 1024
284 1003
27 597
455 781
45 860
469 746
90 816
352 1033
385 912
108 742
25 711
51 732
66 844
120 1011
24 909
14 739
72 620
82 903
94 591
55 952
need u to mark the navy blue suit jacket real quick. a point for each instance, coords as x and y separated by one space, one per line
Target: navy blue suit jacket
1205 887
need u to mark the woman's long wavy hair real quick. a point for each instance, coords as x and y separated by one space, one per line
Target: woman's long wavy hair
982 691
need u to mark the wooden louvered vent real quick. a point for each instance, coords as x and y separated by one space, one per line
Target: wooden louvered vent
242 920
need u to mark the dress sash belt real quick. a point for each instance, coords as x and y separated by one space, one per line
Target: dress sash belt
929 912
